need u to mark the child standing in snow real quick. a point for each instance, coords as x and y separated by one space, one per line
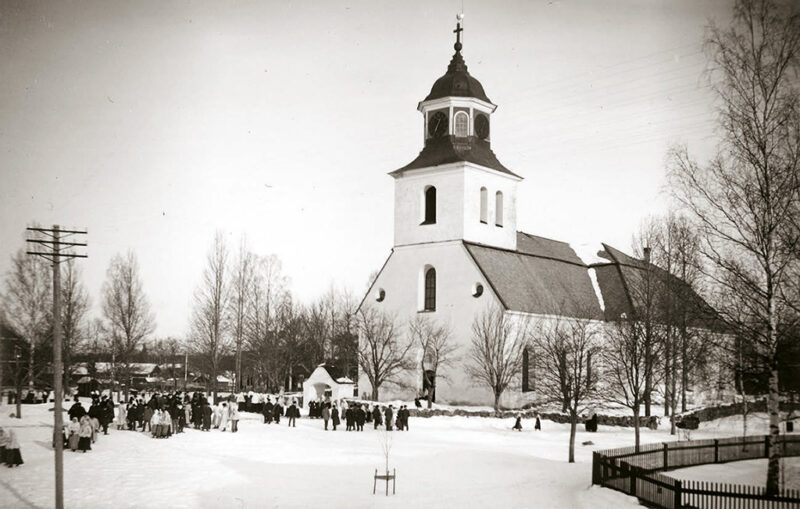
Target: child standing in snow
74 430
518 424
85 435
538 426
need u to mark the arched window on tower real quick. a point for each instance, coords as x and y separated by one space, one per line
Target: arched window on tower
462 124
498 209
430 205
484 205
430 289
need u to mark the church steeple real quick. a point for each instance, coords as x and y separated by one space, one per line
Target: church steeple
456 188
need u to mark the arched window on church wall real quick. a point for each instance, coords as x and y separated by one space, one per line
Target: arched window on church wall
461 124
498 209
430 290
429 197
484 205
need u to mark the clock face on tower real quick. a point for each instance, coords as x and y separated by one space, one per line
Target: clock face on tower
437 125
482 126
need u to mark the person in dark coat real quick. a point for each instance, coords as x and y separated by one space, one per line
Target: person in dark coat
406 415
389 417
277 412
417 403
267 412
106 413
348 418
538 425
326 415
518 423
76 410
293 413
377 416
399 419
368 414
334 416
360 417
206 411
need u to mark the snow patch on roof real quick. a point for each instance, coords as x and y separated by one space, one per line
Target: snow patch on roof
596 286
589 253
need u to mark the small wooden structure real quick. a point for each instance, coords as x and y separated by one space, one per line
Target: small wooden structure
384 477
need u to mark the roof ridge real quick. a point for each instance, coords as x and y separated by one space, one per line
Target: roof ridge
523 253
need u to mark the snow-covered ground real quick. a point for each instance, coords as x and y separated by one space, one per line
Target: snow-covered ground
441 462
751 472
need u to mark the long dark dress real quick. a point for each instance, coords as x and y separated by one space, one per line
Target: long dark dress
206 417
335 417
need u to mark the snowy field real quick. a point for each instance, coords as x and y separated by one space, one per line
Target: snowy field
741 472
440 462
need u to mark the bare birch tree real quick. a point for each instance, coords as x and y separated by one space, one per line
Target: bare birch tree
496 349
26 300
242 286
745 200
126 311
436 347
74 307
209 325
565 348
626 367
383 355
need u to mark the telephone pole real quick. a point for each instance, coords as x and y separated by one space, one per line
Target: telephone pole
55 250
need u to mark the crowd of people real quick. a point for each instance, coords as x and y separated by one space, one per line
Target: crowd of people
357 414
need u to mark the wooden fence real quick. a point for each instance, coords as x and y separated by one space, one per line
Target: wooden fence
636 473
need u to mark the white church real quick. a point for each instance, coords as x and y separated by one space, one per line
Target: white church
457 250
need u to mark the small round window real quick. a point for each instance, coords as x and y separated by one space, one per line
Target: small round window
380 294
477 290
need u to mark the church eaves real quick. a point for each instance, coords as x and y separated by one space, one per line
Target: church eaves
447 150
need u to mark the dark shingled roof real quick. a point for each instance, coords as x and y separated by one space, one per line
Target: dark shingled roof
447 150
543 277
333 371
623 287
457 82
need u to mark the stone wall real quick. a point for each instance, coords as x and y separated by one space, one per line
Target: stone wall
605 420
718 412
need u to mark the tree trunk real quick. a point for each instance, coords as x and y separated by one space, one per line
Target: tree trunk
67 365
636 426
667 379
497 395
773 407
30 365
431 392
239 365
573 427
374 392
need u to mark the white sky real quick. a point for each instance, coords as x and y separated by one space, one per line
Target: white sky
153 124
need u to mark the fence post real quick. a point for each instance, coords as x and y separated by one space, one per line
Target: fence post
594 468
633 479
678 491
716 450
766 446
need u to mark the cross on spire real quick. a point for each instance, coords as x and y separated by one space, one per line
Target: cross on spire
458 30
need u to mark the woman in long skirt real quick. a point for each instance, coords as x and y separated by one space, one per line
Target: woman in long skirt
74 430
155 424
122 416
13 456
85 435
3 444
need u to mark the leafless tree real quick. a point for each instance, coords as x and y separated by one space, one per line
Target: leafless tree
269 296
74 307
626 366
26 301
496 349
126 311
745 200
382 353
565 348
242 286
437 351
209 326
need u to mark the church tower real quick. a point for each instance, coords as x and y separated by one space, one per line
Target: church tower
456 189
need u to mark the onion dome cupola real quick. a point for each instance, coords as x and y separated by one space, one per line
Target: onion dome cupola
457 119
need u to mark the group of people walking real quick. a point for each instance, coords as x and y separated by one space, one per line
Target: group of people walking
84 426
274 412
